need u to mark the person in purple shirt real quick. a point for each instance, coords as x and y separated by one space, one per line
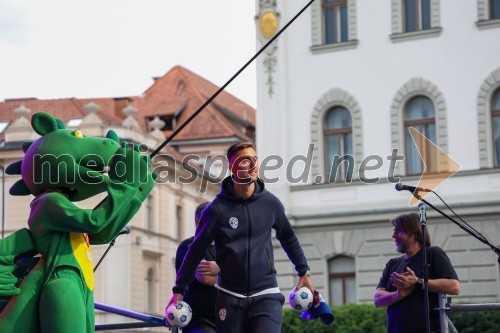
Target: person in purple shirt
201 293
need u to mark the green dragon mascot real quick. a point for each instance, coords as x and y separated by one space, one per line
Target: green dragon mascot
61 167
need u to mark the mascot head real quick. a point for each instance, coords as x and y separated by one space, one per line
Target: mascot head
63 160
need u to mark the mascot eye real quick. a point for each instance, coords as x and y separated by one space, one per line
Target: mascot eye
78 134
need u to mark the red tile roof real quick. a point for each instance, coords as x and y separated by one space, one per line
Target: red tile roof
179 87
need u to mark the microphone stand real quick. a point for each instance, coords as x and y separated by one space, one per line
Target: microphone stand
423 219
423 222
475 234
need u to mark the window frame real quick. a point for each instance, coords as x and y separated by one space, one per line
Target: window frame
490 84
150 289
318 37
485 18
399 32
418 124
419 16
490 9
327 100
493 114
340 133
337 32
149 208
414 87
179 216
343 276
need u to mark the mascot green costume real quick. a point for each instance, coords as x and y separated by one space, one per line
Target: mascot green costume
61 167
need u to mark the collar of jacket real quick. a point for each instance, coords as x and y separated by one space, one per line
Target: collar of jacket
227 191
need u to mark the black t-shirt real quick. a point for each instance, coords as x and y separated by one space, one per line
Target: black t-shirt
408 314
200 297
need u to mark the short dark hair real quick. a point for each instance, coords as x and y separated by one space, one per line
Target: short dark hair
231 151
409 223
199 210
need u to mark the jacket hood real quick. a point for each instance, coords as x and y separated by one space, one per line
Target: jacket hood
227 190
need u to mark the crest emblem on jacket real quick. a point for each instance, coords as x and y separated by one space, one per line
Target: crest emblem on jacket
233 222
222 314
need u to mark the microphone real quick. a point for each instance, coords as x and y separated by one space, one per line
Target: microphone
125 230
422 214
412 189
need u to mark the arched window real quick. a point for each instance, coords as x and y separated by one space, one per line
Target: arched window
338 143
150 290
419 113
342 280
495 123
335 22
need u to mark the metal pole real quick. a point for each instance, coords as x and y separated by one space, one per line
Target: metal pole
443 317
123 326
131 314
475 307
423 222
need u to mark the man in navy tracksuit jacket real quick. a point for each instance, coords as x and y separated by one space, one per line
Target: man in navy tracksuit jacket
240 221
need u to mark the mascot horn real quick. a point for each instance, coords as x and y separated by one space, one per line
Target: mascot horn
61 167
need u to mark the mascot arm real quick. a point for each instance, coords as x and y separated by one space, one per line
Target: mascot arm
57 213
123 216
109 232
12 247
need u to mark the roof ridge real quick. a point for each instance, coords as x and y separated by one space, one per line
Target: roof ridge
78 104
222 119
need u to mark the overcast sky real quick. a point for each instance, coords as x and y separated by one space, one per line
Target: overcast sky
113 48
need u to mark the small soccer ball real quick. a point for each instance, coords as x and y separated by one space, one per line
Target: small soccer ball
301 300
179 315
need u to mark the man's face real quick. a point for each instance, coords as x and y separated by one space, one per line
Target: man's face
402 240
244 166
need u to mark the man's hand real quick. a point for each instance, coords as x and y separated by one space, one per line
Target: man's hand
206 272
404 282
175 299
305 281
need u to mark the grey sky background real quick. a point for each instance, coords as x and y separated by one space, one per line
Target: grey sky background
113 48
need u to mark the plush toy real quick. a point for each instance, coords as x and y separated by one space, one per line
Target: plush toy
61 167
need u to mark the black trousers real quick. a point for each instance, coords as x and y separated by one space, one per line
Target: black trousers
200 325
261 314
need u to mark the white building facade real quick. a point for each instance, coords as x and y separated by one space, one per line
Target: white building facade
349 77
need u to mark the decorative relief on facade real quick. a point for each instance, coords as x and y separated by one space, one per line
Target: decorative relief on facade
268 20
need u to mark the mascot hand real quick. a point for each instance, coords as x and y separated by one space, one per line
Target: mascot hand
129 167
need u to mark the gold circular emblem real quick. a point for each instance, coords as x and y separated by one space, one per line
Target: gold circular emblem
268 24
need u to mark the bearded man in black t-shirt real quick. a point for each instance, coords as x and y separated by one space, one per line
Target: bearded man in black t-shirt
401 286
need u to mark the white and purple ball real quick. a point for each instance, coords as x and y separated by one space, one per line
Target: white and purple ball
301 300
179 315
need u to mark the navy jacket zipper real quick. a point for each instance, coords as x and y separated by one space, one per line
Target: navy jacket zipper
248 246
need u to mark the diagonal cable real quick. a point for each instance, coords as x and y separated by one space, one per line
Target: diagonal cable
208 101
